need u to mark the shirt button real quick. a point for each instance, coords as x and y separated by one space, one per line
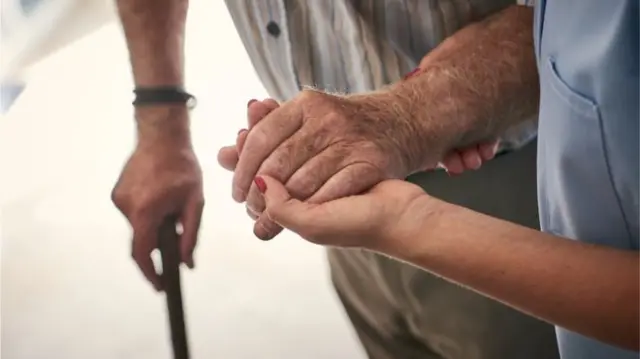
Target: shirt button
273 29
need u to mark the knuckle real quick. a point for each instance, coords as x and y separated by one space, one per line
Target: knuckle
309 95
265 229
255 202
140 209
335 116
135 253
116 194
281 163
120 200
251 214
303 187
118 203
200 203
368 159
257 139
271 103
333 122
316 101
140 249
270 226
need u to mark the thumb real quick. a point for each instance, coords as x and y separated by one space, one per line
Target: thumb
281 208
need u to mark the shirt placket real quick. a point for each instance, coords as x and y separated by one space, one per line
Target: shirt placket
279 45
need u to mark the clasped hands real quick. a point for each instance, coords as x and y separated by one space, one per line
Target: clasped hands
327 167
331 169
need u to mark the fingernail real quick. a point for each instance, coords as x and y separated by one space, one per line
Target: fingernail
412 73
241 131
262 186
251 101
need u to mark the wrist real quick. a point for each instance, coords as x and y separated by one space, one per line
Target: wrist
410 234
167 123
443 113
414 136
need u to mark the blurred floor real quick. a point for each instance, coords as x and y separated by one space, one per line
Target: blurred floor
69 289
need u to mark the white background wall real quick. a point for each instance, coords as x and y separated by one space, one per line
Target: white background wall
69 289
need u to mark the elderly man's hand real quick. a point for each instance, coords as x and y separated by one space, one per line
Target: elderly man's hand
160 181
455 162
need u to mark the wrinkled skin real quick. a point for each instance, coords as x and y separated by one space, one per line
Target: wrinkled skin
161 181
309 182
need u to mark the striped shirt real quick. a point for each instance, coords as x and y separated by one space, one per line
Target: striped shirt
352 46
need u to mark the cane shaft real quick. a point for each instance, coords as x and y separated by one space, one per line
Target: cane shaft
170 252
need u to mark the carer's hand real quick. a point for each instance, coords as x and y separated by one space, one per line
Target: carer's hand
162 179
382 218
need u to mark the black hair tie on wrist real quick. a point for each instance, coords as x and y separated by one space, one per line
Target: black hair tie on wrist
149 96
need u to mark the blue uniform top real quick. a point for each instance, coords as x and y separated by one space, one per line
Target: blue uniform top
588 149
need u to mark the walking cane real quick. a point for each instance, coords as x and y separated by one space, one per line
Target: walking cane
170 252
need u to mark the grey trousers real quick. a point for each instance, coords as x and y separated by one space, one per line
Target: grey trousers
402 312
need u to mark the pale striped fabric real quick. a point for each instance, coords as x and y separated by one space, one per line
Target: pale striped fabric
351 46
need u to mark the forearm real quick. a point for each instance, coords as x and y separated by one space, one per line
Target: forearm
476 84
590 289
154 30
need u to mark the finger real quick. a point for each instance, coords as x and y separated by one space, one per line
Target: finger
265 137
257 110
351 180
228 157
271 103
471 158
266 229
319 223
488 150
252 214
306 145
306 179
240 140
281 208
144 242
452 162
255 201
191 219
310 177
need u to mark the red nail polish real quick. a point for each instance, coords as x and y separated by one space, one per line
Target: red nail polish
262 186
250 102
412 73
